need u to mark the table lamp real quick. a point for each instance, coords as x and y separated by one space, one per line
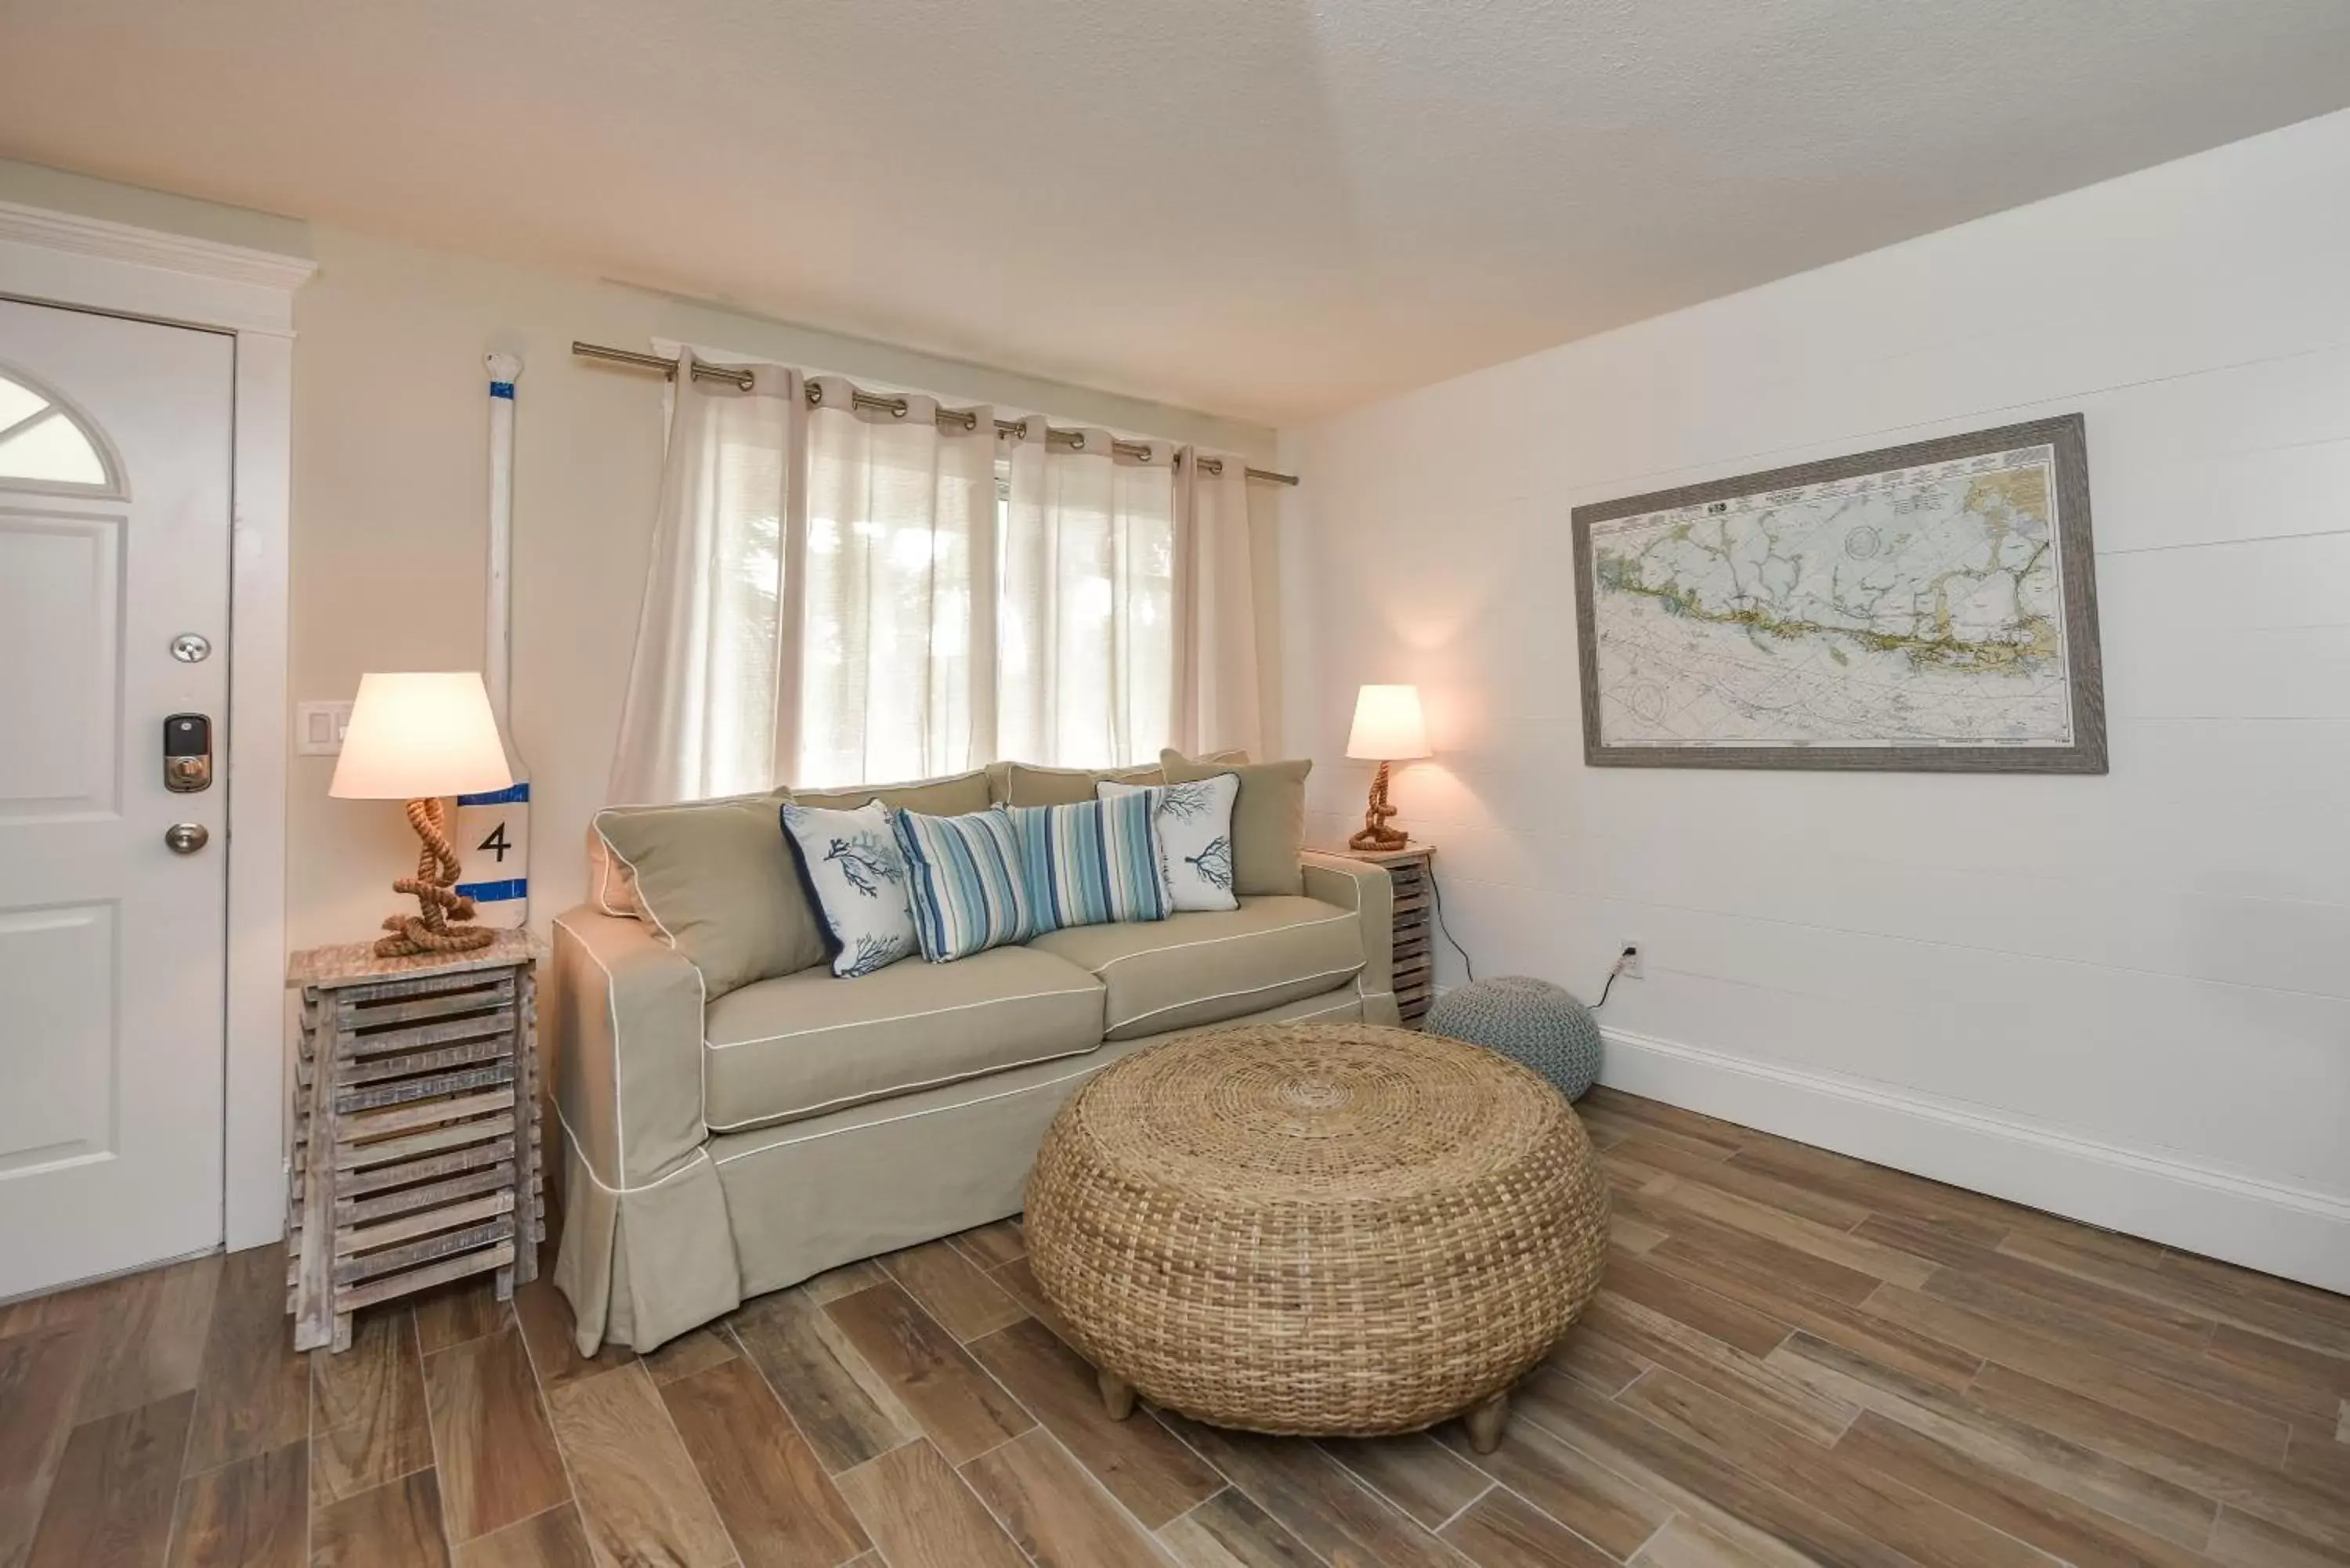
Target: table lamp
421 738
1388 729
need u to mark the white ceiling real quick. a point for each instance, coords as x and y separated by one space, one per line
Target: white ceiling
1265 208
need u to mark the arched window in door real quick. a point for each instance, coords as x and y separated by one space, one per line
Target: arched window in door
47 444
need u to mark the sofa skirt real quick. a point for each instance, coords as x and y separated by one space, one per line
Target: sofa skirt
643 1266
755 1211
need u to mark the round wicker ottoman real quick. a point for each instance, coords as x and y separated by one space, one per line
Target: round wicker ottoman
1326 1228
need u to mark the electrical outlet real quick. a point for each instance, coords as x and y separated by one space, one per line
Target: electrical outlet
1628 964
319 728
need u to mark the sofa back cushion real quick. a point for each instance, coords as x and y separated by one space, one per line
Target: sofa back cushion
1025 783
1024 786
611 890
1268 820
716 878
952 795
610 886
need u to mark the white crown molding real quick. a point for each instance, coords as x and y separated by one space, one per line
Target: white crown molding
150 247
2298 1233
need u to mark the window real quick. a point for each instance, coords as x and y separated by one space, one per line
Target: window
966 599
854 587
1085 637
42 443
888 654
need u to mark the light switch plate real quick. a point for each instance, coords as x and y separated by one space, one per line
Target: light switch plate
319 727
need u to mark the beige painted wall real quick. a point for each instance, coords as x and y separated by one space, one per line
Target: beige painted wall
390 476
390 479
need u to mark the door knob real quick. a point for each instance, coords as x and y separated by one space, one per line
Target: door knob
186 837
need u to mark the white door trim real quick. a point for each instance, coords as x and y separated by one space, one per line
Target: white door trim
61 258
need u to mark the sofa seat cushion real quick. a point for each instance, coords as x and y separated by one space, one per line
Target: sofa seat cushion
805 1043
1208 966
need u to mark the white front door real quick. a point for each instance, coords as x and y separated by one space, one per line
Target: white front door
115 441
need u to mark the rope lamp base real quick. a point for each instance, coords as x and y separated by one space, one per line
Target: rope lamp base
1377 835
429 931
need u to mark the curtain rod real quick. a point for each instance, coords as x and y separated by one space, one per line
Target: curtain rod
864 400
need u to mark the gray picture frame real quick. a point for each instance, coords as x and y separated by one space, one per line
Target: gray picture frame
2066 434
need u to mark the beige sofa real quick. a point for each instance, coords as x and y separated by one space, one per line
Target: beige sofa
714 1150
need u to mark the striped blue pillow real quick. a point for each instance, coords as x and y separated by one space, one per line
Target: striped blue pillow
964 875
1093 862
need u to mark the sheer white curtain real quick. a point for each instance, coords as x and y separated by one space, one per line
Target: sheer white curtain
705 688
831 597
897 662
1216 704
1086 646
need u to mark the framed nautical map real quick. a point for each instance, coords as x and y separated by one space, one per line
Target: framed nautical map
1926 608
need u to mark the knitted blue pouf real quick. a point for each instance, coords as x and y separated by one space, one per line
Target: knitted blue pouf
1532 1022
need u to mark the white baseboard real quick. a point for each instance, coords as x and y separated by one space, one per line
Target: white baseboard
2292 1232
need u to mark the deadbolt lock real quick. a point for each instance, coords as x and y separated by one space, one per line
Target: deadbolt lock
187 753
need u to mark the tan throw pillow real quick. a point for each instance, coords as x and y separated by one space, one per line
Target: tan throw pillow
956 795
611 888
716 878
1268 819
1025 785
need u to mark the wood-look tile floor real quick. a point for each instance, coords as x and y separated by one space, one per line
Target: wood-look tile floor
1796 1357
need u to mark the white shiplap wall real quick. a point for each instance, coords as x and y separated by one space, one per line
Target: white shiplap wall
2124 998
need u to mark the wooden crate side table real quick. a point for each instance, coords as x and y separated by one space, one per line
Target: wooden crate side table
1413 873
416 1135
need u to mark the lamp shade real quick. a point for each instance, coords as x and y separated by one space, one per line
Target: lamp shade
419 735
1388 725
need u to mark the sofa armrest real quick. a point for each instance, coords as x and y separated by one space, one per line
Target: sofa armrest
1369 891
627 1046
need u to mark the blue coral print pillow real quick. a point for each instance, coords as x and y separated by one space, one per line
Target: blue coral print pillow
851 862
1193 823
